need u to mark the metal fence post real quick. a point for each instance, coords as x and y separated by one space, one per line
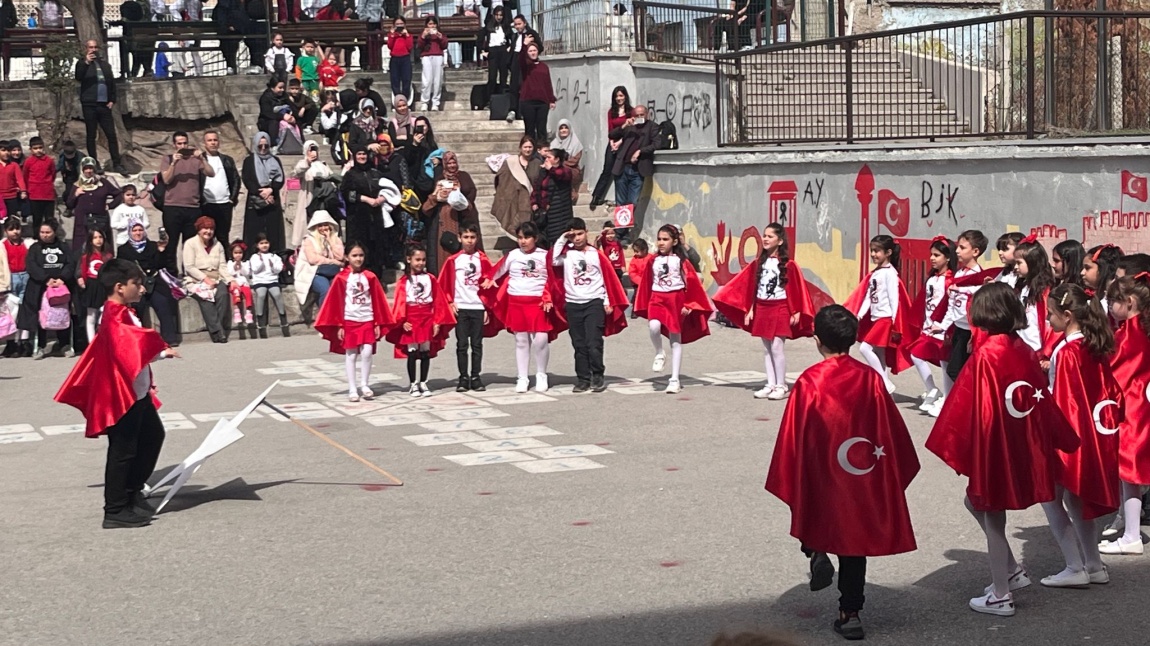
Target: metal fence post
1030 77
849 51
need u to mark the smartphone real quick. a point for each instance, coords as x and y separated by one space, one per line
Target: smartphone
187 152
419 130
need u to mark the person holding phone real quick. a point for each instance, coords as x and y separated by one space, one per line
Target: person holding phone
182 174
433 57
97 98
400 44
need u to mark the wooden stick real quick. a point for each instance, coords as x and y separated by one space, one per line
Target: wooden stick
395 482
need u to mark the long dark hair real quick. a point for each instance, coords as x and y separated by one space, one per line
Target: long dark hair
104 250
676 239
1071 252
945 246
627 107
783 253
413 249
888 245
1039 276
1087 312
1139 288
1106 256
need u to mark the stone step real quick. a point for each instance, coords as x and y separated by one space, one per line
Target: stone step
929 110
803 101
879 123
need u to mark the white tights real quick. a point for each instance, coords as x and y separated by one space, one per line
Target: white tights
525 343
998 552
364 353
656 329
1074 534
876 361
1131 510
924 372
776 363
947 382
92 321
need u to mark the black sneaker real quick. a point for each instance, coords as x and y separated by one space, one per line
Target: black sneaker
141 506
849 626
464 385
477 385
581 387
126 519
822 571
11 349
598 384
60 349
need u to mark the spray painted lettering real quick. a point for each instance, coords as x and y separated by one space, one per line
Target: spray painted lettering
577 93
694 115
932 205
813 194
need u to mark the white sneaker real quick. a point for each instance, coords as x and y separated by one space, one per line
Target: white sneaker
421 107
657 365
1101 577
764 392
511 117
928 399
415 390
673 387
991 605
1068 579
1116 526
890 388
521 385
778 393
1018 581
541 382
936 408
308 131
1122 546
366 393
424 389
352 397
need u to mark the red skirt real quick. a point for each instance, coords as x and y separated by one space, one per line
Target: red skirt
876 333
667 308
930 349
772 320
422 325
525 314
355 334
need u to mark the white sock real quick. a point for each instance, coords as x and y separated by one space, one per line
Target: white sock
1132 511
780 360
874 360
656 330
1086 532
522 353
947 382
924 373
365 353
980 518
769 363
349 365
90 322
676 355
998 552
542 351
1064 534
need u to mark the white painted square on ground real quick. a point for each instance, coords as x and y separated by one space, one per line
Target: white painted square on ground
525 398
495 390
574 450
739 376
459 425
557 466
179 425
560 390
322 374
12 429
516 444
211 417
497 457
13 438
326 413
512 432
428 405
440 439
468 413
398 420
173 417
384 376
358 408
635 389
283 370
300 362
299 406
301 383
458 400
62 429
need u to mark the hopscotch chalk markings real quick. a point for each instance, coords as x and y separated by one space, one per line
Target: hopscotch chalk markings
528 398
470 413
13 438
573 451
458 425
514 432
494 457
559 466
443 439
399 420
507 445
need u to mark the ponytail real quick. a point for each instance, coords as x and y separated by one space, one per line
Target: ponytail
1087 312
888 245
1138 287
783 253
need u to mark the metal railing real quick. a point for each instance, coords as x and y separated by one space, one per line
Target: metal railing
583 26
1025 74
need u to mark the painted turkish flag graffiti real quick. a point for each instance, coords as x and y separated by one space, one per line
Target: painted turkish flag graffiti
894 212
1134 185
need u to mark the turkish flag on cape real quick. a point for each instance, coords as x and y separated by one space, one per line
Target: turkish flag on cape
440 313
329 321
843 439
1001 429
1131 363
1086 392
100 384
894 212
737 297
1134 185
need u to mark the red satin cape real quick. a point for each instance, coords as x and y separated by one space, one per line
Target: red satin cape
737 297
440 315
694 324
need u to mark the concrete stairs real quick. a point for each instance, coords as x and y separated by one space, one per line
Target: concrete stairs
801 95
16 118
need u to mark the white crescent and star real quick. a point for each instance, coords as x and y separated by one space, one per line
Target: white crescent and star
844 460
1011 408
1098 425
893 207
1132 182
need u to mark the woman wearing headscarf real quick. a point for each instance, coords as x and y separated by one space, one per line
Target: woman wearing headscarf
320 258
551 199
360 188
401 126
566 141
311 173
208 278
88 200
393 168
263 177
365 126
419 155
513 185
449 207
158 296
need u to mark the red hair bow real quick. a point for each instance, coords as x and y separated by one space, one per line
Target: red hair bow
1143 277
1108 245
942 239
1030 239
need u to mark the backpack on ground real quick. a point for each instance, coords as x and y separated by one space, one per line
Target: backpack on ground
668 137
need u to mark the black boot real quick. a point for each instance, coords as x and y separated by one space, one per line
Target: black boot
286 330
11 349
26 349
464 384
243 332
125 519
263 332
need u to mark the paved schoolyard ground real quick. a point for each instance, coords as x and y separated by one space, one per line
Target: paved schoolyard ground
631 517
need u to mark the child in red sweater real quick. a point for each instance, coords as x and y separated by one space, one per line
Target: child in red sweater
330 73
13 190
609 244
40 178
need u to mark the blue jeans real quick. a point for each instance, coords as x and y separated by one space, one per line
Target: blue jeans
19 284
628 185
400 69
322 281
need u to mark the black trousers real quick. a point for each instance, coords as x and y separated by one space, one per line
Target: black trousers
99 114
959 339
41 210
222 214
134 444
498 70
852 580
167 310
469 338
586 322
534 115
606 179
180 221
230 48
516 80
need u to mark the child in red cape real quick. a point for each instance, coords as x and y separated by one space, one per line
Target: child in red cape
886 320
930 347
459 281
1085 390
608 243
842 438
111 385
423 319
591 299
1000 428
639 260
1033 280
769 299
1129 300
353 318
672 299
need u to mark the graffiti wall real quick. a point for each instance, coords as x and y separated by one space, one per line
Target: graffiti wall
682 94
829 202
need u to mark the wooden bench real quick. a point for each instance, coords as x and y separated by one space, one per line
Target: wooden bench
340 34
458 28
22 42
149 33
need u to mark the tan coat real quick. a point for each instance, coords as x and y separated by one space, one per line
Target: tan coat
199 263
513 185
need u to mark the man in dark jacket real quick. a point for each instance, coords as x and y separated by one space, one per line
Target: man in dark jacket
97 97
635 161
219 193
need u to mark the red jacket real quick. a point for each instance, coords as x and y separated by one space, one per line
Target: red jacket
11 181
400 45
432 45
537 84
329 74
614 121
40 178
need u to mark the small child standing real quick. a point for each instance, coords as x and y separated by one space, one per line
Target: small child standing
1002 430
353 318
127 214
1084 388
640 258
1006 245
240 289
955 324
14 252
837 405
112 386
263 271
608 243
40 177
929 348
423 319
330 73
97 251
307 69
459 281
1034 280
278 60
883 310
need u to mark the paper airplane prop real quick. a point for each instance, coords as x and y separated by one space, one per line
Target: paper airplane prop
225 433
